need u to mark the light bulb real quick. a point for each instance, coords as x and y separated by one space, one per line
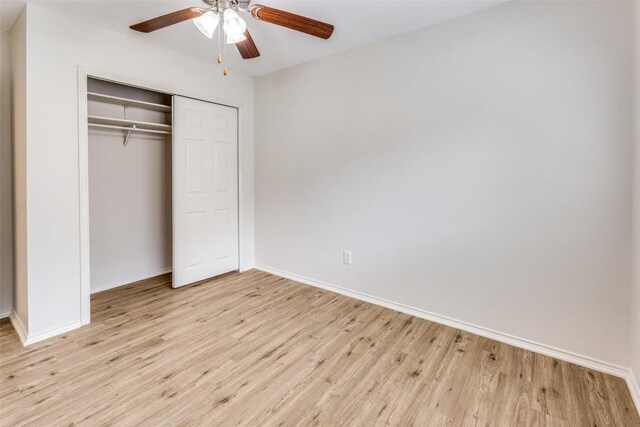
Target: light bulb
234 27
207 23
235 39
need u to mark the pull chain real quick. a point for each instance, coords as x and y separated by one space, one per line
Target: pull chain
219 41
224 71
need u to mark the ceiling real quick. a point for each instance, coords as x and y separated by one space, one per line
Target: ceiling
357 23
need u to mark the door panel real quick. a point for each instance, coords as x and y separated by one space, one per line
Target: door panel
205 190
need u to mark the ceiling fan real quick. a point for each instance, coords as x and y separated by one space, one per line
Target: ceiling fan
224 13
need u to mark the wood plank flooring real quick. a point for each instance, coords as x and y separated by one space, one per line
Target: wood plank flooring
255 349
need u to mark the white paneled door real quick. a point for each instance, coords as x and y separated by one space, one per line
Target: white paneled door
205 190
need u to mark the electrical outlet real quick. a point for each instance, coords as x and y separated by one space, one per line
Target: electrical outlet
346 257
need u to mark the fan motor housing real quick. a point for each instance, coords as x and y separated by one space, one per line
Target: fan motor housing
222 4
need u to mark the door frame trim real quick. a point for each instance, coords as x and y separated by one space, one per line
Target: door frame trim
84 73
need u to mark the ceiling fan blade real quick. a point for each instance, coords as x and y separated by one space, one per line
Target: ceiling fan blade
168 19
292 21
247 47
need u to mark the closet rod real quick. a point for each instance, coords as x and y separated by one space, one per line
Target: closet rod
137 129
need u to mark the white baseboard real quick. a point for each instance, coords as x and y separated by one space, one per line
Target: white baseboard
526 344
242 269
128 280
41 336
634 388
27 339
21 330
5 314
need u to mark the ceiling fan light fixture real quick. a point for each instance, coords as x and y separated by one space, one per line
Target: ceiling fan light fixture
234 26
221 15
207 23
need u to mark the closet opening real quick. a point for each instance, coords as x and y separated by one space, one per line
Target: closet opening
159 187
129 165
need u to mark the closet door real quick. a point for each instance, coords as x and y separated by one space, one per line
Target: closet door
205 190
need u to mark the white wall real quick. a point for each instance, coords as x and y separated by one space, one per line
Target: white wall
130 207
477 169
635 331
19 101
6 205
57 46
129 195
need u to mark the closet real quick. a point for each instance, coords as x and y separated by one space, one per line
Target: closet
163 186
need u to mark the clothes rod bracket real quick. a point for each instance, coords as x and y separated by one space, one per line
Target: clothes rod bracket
126 138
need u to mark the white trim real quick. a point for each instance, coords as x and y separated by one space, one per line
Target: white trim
128 280
83 196
32 339
634 389
240 183
242 269
18 326
5 314
568 356
27 339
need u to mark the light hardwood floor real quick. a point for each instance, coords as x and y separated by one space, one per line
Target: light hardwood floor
256 349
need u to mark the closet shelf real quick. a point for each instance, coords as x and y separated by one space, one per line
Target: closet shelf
96 120
92 96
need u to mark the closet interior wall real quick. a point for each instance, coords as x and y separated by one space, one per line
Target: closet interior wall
129 186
